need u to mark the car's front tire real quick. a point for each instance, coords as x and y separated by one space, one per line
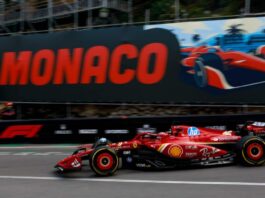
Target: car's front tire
104 161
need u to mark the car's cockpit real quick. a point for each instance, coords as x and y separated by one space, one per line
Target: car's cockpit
176 130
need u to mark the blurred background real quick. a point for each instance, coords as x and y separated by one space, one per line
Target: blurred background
55 111
54 15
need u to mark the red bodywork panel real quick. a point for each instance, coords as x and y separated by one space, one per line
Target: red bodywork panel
258 128
183 142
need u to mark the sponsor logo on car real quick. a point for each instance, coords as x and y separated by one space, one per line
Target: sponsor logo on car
175 151
142 165
221 127
228 133
191 147
193 131
224 138
191 155
129 159
126 152
135 145
206 152
75 163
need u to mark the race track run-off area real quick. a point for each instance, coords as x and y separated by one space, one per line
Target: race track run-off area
27 171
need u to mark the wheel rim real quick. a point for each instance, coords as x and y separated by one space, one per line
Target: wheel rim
104 161
255 151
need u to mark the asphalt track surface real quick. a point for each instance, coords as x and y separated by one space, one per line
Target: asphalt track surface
28 173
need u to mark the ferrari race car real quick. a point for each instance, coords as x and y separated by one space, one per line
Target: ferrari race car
181 146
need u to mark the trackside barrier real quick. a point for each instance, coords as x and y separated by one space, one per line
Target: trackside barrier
115 129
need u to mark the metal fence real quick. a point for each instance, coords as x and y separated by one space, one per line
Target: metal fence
47 9
61 9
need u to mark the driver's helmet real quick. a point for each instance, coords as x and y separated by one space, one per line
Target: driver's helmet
102 141
174 129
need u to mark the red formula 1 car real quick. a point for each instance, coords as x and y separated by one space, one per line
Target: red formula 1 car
182 146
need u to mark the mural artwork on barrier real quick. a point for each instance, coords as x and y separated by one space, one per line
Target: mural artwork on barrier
102 65
215 61
224 54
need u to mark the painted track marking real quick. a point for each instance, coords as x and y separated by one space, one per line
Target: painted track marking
31 153
40 147
135 181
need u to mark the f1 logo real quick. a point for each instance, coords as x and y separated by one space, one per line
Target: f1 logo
27 131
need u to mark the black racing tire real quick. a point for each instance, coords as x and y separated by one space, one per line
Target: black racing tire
251 151
104 161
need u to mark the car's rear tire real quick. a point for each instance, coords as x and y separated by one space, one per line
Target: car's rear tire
251 151
104 161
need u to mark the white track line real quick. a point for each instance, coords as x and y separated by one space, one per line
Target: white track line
137 181
32 153
39 147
